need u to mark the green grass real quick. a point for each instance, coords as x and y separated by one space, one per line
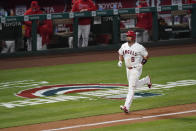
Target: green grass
162 70
178 124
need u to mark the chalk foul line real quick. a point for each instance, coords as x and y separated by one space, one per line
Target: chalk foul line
122 120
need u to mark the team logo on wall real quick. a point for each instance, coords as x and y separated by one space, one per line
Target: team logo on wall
20 10
65 89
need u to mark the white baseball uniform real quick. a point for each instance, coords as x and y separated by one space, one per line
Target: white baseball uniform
133 56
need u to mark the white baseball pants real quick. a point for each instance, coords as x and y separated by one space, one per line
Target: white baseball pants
189 21
70 42
10 46
84 31
39 43
133 76
142 36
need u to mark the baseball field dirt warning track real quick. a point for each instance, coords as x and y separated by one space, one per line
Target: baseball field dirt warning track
25 62
102 120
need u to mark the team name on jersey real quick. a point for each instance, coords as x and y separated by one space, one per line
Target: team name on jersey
129 52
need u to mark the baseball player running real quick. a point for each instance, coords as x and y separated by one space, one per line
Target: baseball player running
135 56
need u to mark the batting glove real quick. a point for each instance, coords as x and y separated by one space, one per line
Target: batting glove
119 63
138 66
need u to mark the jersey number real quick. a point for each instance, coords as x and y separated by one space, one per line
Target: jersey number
132 59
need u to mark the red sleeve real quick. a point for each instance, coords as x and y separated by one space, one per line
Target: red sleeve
75 7
28 12
92 6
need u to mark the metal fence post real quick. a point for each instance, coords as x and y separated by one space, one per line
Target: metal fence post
75 31
193 21
116 30
34 35
155 29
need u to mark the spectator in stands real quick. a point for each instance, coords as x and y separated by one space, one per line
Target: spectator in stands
34 9
144 21
9 45
84 23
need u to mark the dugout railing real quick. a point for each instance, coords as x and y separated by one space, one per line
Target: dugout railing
115 13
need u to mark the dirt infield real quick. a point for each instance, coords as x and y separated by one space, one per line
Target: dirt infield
25 62
103 120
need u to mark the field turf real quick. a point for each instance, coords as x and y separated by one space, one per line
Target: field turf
162 70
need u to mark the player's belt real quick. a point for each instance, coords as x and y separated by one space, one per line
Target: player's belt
130 68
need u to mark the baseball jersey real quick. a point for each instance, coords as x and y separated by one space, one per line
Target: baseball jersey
81 4
133 54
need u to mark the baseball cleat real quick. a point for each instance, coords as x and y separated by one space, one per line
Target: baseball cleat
124 109
150 83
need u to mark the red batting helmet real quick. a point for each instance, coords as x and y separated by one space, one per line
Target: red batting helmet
131 33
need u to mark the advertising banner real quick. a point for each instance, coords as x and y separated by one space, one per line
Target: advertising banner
110 4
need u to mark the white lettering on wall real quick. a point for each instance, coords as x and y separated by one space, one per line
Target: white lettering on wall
111 5
49 10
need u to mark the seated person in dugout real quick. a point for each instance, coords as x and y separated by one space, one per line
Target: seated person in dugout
44 28
46 31
8 46
34 9
163 26
189 12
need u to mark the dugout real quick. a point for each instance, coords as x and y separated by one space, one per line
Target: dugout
115 23
12 31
